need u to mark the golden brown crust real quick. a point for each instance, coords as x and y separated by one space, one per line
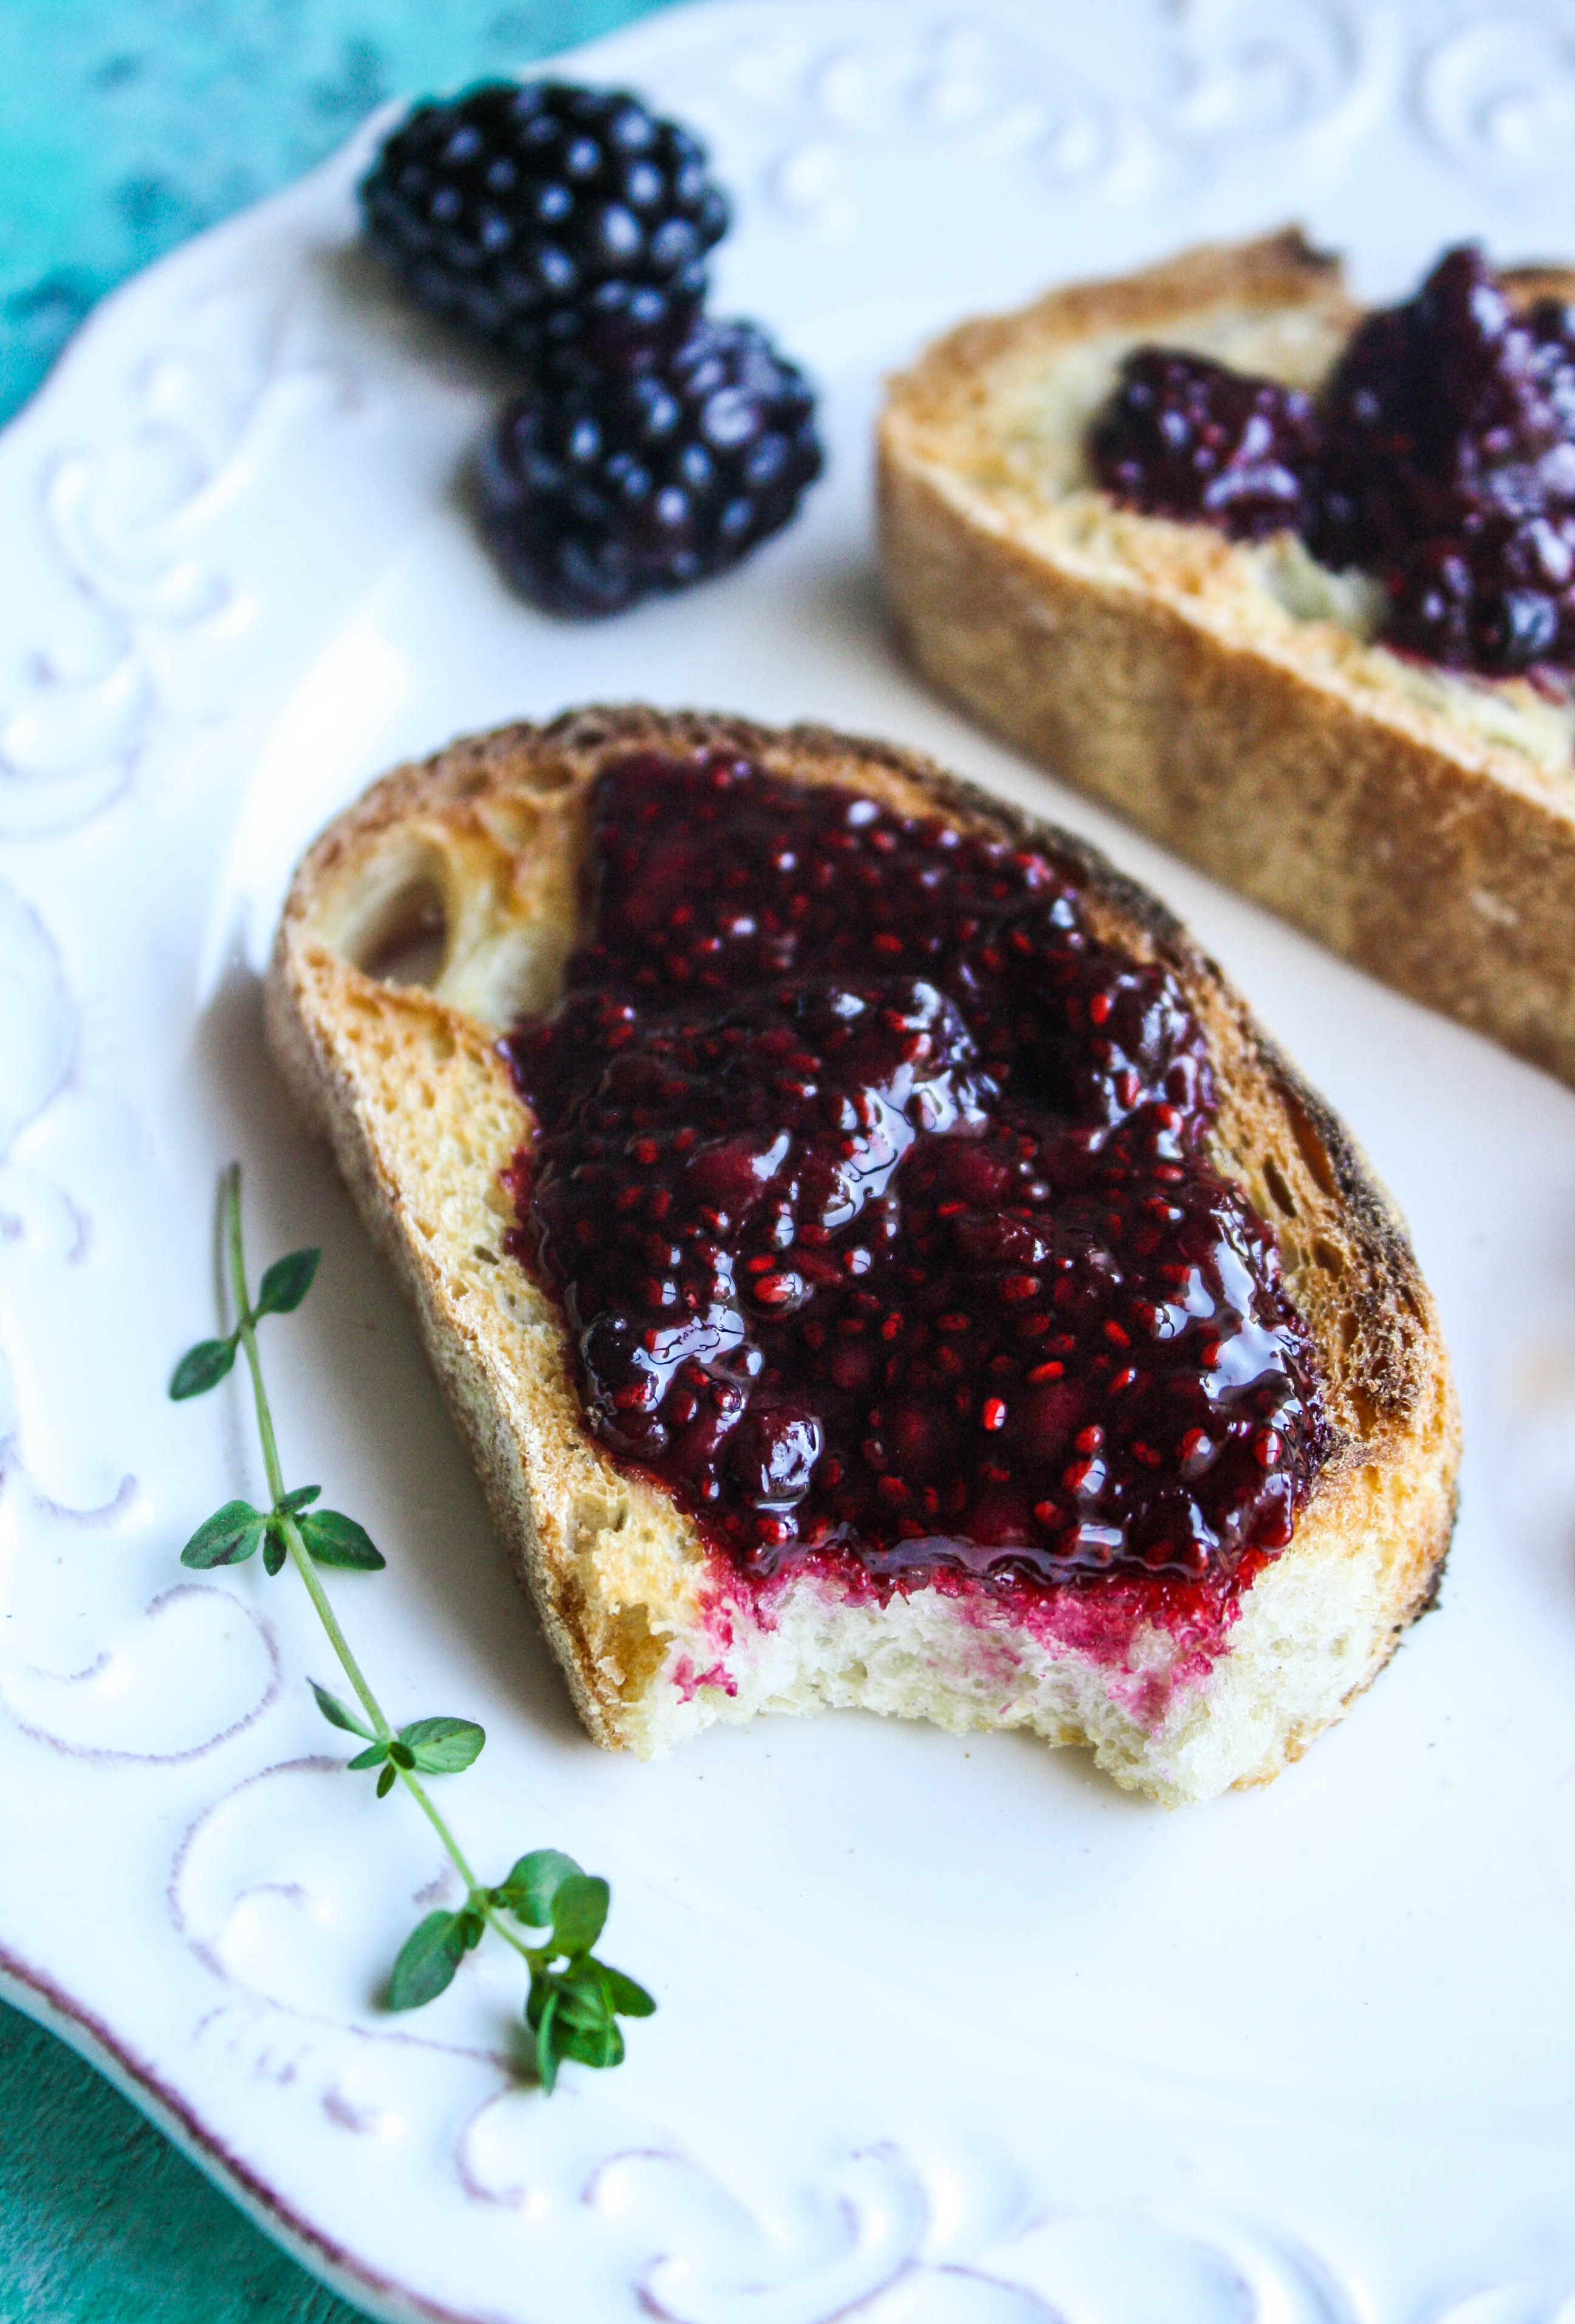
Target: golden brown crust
1299 765
1279 270
423 1116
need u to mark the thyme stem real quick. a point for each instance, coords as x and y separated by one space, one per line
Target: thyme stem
245 1323
576 1999
301 1560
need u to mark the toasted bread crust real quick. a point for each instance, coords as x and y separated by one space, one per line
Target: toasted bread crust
411 1089
1394 813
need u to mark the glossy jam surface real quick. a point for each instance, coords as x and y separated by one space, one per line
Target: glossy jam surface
873 1188
1183 436
1440 459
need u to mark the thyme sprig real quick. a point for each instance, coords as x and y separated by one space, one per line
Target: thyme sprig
546 1909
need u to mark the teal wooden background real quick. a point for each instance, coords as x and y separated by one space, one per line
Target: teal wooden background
126 125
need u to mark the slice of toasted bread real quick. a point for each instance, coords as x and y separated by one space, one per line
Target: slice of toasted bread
1227 697
657 1633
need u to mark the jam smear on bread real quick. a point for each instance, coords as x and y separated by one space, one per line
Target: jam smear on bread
875 1190
1440 457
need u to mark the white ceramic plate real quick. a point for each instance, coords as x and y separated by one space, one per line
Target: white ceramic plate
948 2030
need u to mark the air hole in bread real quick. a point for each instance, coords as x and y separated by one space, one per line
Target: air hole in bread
553 775
408 948
1331 1260
511 822
487 1258
1314 1153
637 1650
1368 1408
1283 1198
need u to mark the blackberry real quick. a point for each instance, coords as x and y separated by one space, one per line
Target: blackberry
602 486
530 214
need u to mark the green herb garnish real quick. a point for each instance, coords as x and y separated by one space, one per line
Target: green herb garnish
576 2000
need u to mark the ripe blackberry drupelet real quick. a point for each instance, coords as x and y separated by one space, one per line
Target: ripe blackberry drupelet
526 214
602 486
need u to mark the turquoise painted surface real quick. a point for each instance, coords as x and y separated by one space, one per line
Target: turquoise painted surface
124 128
102 2222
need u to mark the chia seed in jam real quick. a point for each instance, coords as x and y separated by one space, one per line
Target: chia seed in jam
874 1188
1440 457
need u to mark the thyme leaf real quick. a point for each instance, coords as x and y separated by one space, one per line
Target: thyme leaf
575 2000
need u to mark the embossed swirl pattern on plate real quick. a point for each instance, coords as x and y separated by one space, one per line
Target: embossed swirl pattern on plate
1496 92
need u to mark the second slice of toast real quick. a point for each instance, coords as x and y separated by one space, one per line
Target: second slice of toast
1228 696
